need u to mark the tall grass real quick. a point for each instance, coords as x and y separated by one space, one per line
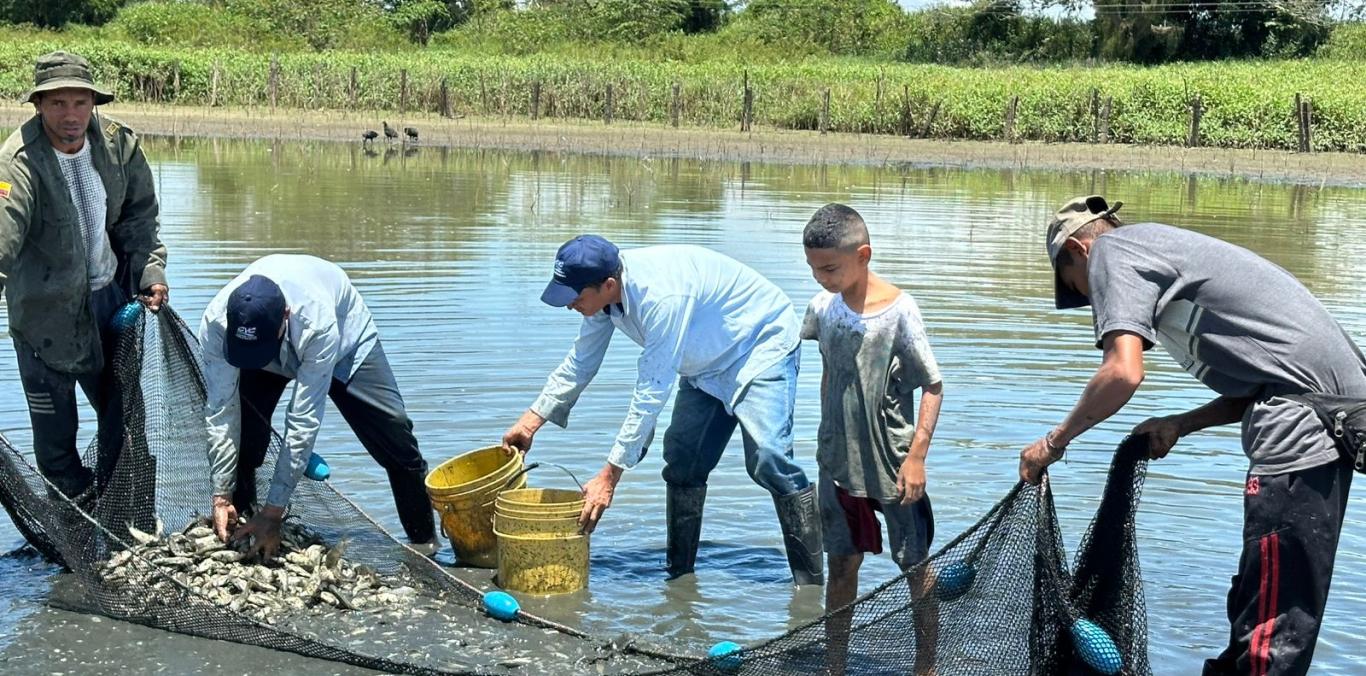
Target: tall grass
1247 104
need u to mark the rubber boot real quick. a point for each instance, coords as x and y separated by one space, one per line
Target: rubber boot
685 527
800 520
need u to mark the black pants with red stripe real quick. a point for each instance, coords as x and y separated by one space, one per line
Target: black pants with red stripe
1291 524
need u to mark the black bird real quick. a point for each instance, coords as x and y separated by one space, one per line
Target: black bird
368 135
411 133
389 133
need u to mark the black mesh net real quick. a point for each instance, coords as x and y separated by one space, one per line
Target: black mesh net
998 599
137 549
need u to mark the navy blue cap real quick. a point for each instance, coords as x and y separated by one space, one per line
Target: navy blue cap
581 262
256 310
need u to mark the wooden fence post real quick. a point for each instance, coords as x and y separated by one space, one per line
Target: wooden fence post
483 95
213 86
904 126
1011 109
1095 115
402 91
825 113
1304 118
274 80
607 109
929 124
175 80
1105 119
1197 112
676 106
446 111
536 100
747 106
353 88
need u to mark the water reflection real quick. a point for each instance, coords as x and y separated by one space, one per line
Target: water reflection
452 247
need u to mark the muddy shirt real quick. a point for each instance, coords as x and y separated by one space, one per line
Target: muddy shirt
1240 324
873 363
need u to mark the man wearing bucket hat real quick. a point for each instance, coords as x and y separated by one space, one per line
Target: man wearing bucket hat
729 339
78 239
299 318
1252 333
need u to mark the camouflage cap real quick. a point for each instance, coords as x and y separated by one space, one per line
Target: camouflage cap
60 70
1078 213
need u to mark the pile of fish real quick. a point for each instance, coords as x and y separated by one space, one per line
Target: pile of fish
306 575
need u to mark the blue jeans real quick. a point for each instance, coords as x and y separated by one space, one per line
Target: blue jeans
701 429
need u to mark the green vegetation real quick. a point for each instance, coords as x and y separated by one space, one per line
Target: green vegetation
1247 105
559 59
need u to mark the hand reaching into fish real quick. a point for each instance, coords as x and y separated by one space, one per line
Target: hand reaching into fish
224 515
264 530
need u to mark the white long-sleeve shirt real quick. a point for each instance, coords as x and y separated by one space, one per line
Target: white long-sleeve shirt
697 314
328 335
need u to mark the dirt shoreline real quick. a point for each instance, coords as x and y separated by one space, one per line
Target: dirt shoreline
765 145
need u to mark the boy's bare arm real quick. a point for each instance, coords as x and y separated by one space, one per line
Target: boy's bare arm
911 478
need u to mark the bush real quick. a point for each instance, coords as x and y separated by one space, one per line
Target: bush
1348 41
629 23
993 32
188 24
847 28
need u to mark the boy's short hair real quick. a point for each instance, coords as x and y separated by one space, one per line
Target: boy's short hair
835 226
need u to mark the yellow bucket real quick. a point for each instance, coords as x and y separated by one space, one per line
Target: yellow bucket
540 548
542 564
465 501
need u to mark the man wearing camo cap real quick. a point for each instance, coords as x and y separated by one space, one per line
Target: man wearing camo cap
78 240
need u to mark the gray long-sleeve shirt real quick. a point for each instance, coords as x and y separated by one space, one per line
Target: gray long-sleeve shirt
328 335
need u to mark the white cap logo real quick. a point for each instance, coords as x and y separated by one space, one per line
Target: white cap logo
246 333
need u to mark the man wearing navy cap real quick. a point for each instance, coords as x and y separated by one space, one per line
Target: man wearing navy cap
729 338
290 317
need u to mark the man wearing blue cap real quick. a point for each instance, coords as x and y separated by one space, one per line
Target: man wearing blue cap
291 317
730 340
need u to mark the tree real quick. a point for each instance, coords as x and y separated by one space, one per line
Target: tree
58 13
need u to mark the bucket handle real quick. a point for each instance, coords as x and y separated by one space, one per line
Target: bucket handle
534 465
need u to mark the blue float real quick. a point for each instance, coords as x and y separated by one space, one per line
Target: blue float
127 316
725 655
317 469
501 605
954 580
1095 647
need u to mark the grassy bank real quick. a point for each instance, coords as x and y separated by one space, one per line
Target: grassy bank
1245 104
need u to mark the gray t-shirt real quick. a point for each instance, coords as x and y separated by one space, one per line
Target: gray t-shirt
88 196
1240 324
873 364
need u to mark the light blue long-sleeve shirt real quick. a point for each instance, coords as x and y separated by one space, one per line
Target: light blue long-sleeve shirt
697 314
328 335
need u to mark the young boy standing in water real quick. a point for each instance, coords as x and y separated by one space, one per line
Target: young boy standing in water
871 446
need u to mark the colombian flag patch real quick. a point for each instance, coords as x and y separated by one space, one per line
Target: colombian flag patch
4 190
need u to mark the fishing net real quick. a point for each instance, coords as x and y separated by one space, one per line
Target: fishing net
138 549
998 599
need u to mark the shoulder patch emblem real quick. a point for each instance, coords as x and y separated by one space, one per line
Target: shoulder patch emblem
4 190
111 130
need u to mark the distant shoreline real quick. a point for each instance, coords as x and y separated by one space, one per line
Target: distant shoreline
762 145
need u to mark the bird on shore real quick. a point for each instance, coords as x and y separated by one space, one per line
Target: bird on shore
389 133
368 135
411 133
